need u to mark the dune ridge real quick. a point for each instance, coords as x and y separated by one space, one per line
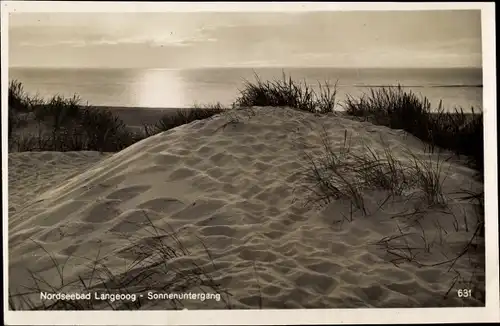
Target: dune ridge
231 187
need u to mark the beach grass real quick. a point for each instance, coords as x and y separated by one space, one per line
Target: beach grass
181 117
287 92
345 173
151 271
64 124
339 172
74 126
394 107
397 108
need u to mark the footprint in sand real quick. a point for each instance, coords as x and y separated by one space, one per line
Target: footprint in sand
103 211
127 193
134 220
163 205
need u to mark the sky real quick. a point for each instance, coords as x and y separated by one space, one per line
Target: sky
288 39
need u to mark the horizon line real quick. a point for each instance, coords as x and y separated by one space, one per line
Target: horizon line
248 67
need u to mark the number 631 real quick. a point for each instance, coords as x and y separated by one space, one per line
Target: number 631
464 293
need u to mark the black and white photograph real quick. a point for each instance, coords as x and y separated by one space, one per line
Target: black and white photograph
248 160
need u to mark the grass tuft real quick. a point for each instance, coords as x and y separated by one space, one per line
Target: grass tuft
286 92
344 173
398 108
64 124
181 117
152 270
328 177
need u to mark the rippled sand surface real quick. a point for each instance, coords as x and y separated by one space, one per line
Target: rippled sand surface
231 190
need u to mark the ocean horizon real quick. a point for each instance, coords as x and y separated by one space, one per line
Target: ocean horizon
184 88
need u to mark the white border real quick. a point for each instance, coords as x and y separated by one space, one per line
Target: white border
276 317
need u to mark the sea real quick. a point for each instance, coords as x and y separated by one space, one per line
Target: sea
184 88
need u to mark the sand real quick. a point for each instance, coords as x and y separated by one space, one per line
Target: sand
231 189
31 173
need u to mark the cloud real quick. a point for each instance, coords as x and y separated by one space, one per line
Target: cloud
71 43
179 41
81 38
245 39
254 63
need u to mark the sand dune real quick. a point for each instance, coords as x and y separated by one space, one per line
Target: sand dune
232 190
31 173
